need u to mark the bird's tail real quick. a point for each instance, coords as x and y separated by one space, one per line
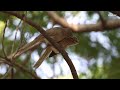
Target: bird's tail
43 57
28 46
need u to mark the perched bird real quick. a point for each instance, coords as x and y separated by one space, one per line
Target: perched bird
62 36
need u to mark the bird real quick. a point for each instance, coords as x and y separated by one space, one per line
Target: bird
63 36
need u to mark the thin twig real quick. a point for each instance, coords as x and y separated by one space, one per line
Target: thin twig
56 45
116 12
21 34
18 66
3 40
25 70
102 20
6 74
13 45
17 27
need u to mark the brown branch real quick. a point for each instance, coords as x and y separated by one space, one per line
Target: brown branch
58 19
103 21
13 45
110 24
19 67
56 45
6 74
20 33
116 13
3 40
25 70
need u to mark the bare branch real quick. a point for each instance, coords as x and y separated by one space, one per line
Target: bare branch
58 19
25 70
17 27
21 67
13 45
56 45
20 33
6 74
3 40
116 12
103 22
110 24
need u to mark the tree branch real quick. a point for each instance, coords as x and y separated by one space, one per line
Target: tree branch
56 45
3 40
103 21
110 24
116 12
24 69
19 67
